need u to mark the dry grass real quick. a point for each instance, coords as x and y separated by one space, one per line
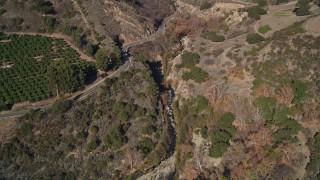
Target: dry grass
7 129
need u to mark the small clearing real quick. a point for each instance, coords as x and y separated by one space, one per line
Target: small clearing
313 26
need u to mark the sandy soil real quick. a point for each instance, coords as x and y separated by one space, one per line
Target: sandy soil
313 26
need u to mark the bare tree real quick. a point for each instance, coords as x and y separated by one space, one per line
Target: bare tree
285 94
240 108
257 116
132 158
216 94
199 158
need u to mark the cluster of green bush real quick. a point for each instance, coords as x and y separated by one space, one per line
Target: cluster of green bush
195 112
264 29
213 36
254 38
115 138
45 7
126 111
50 23
278 115
189 60
303 8
255 12
221 135
206 5
79 38
108 59
146 145
196 74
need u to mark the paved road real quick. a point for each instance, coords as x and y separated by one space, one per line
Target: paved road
94 88
152 37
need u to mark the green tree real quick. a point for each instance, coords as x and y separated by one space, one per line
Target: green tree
3 106
139 57
196 74
92 145
64 77
115 138
205 5
303 8
255 12
61 106
314 164
254 38
42 6
221 136
146 145
50 23
77 39
89 49
189 59
106 59
213 36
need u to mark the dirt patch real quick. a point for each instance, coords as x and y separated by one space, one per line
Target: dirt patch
38 58
7 129
313 26
279 17
5 40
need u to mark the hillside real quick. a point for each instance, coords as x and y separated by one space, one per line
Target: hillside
187 89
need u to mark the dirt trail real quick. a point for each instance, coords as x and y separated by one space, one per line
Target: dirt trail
85 20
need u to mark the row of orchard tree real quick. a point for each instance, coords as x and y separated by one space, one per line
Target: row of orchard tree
45 67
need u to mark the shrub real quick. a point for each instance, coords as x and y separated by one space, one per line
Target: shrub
281 1
115 139
81 135
50 23
264 29
213 36
25 129
139 57
300 91
92 145
61 106
302 8
149 129
146 145
205 5
189 59
202 102
44 7
3 106
261 3
314 163
221 136
196 74
255 12
266 104
254 38
204 132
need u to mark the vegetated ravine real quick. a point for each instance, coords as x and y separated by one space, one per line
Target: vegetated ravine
167 100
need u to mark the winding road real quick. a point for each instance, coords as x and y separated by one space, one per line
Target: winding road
96 86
